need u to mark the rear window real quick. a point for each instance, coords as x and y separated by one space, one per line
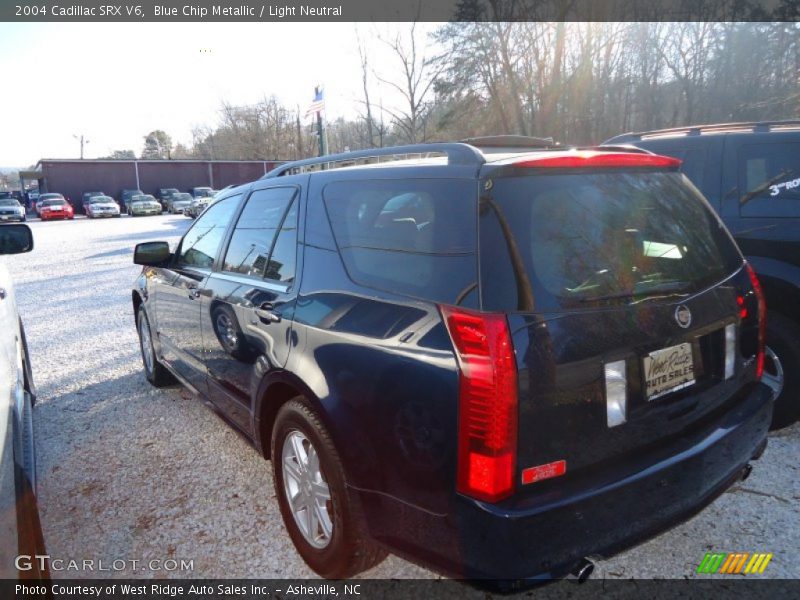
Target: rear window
582 240
414 237
769 180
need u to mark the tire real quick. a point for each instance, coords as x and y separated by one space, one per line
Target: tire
156 373
783 343
342 548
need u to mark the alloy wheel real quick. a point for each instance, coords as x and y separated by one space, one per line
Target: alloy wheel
227 331
146 343
306 490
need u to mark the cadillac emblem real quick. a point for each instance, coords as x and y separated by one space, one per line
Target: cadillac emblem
683 316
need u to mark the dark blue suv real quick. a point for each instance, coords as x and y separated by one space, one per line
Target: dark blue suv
750 173
492 358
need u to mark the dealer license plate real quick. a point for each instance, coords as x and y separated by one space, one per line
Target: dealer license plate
668 370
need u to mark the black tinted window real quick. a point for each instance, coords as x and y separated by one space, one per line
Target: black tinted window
201 243
414 237
556 241
769 180
249 250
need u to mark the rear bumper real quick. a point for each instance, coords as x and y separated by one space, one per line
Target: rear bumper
540 537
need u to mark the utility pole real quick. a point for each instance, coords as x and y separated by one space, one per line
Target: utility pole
83 141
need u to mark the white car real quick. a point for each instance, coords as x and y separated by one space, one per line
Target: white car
101 206
22 534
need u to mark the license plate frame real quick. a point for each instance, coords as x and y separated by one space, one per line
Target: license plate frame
668 370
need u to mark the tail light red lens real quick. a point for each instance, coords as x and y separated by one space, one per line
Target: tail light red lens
594 159
742 307
762 320
487 411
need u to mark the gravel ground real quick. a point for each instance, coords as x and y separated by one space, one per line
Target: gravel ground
128 472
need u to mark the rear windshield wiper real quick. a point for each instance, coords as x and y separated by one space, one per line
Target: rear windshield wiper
763 187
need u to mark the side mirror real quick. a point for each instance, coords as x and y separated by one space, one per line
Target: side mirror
152 254
15 239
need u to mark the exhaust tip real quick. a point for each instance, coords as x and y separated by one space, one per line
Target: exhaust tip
748 468
582 571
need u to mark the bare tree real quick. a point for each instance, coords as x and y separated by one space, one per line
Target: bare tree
414 83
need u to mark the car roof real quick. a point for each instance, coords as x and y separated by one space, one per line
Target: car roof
709 129
475 152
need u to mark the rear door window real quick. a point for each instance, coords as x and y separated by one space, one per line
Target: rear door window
769 180
582 240
253 238
415 237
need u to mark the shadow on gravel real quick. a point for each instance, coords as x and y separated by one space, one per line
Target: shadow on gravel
119 252
180 227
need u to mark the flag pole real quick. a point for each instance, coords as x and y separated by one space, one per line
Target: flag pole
321 133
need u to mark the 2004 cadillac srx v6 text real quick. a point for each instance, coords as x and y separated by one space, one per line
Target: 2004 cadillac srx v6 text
494 358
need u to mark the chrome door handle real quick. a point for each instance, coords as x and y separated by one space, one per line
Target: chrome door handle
194 293
267 312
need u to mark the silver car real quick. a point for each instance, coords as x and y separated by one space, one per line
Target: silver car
22 533
101 206
178 202
144 204
11 210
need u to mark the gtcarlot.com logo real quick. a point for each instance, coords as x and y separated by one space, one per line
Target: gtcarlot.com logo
734 563
26 562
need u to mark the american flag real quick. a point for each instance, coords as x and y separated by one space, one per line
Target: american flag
318 105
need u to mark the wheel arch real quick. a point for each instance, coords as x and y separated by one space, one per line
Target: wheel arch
275 390
782 295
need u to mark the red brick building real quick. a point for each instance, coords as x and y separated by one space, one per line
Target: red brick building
73 177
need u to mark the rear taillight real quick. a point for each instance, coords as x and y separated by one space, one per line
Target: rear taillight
594 159
762 320
487 408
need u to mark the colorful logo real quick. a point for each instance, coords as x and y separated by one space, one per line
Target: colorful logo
731 563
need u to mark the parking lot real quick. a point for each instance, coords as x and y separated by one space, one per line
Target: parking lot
128 472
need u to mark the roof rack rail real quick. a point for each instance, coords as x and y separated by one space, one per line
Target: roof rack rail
511 142
615 148
457 154
698 129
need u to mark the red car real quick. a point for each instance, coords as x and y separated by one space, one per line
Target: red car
56 209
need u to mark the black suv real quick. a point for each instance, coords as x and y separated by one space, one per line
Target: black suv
164 194
750 173
492 360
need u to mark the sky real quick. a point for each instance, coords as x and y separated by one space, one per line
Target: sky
115 82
